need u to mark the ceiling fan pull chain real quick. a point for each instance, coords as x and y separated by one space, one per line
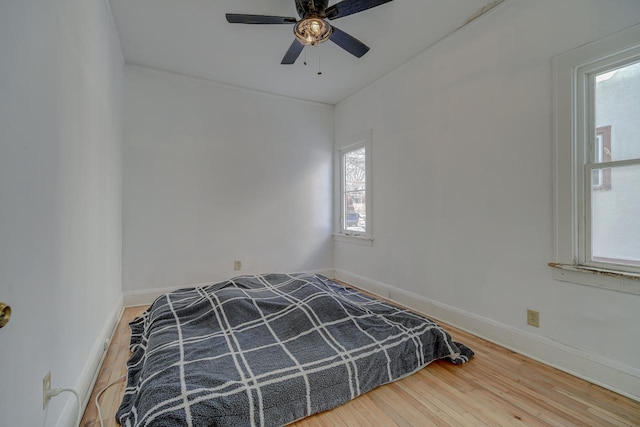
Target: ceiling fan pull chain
319 71
305 55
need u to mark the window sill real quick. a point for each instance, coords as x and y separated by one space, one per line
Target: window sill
600 278
354 239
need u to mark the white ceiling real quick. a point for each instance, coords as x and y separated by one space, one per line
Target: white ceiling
192 37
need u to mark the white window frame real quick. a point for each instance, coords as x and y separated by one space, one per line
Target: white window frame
573 76
356 142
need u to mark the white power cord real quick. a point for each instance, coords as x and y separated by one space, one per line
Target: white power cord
56 391
100 394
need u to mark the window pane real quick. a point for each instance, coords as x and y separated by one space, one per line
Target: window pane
355 214
617 108
615 216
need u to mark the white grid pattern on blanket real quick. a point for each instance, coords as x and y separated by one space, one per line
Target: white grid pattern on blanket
335 350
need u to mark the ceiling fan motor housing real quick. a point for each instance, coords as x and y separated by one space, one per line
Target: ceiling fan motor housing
311 7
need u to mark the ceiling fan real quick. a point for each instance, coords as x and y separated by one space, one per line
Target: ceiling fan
313 28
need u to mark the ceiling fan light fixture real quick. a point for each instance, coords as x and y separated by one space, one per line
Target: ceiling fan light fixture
311 31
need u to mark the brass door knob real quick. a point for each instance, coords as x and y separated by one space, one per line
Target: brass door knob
5 314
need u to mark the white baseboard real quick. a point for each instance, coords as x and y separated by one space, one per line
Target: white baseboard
607 373
91 369
148 296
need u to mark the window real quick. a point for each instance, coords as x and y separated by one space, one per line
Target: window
597 162
612 213
354 218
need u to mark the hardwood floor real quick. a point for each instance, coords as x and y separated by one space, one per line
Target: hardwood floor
497 387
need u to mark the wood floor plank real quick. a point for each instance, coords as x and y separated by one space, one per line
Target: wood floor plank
450 391
497 387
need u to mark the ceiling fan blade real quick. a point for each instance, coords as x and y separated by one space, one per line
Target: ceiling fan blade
349 7
292 54
348 43
236 18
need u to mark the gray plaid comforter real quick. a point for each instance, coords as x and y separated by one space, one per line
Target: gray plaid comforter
268 350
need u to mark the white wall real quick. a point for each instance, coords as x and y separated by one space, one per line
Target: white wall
214 174
60 200
462 189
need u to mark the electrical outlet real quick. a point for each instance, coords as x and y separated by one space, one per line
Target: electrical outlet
237 265
533 318
46 388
